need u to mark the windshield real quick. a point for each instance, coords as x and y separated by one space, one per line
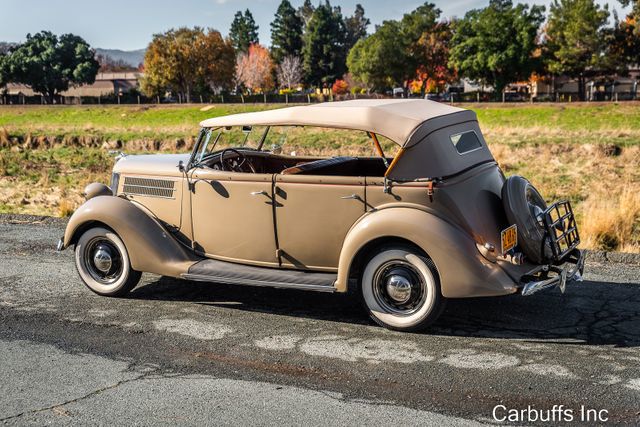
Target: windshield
236 136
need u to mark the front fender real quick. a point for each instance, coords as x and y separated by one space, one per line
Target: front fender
463 271
150 247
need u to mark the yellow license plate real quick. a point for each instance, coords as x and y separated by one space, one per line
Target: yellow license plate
509 238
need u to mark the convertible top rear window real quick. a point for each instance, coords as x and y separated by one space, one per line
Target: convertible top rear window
466 141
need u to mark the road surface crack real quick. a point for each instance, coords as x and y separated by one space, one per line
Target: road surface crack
86 396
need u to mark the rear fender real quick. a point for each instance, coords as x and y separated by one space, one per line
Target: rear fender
463 271
151 248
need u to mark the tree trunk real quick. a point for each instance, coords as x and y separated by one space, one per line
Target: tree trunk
581 88
406 87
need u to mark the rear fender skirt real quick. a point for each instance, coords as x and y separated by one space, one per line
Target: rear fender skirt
150 246
463 271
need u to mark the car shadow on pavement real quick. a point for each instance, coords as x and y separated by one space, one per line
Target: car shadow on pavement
596 313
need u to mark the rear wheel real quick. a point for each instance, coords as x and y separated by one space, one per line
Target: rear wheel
401 289
103 263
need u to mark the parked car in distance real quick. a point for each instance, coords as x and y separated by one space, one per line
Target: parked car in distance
437 220
434 97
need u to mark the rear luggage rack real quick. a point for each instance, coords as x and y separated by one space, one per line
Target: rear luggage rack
560 225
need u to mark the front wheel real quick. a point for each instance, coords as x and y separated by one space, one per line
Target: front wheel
401 290
103 263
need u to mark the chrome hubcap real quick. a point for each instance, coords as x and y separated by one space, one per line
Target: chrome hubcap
399 287
102 258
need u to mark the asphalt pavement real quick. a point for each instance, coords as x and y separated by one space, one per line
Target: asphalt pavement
178 352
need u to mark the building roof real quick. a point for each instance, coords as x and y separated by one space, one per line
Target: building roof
395 119
105 84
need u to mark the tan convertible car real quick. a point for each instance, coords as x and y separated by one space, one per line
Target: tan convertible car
436 220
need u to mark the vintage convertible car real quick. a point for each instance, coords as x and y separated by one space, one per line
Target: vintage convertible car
439 220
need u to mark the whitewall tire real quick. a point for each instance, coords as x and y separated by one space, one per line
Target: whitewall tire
401 289
103 263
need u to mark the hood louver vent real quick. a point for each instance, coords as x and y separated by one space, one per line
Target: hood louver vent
149 187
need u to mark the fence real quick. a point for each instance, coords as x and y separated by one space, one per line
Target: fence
301 98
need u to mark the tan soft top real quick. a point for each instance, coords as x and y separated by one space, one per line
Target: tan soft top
395 119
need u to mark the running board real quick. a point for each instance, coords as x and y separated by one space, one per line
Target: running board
210 270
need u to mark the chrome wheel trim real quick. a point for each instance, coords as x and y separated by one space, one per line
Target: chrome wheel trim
102 260
398 287
97 281
422 310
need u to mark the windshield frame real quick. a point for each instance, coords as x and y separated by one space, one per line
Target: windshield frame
204 141
196 147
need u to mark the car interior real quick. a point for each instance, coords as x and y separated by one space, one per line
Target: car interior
250 161
248 155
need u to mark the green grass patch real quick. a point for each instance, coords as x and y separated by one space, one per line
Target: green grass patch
570 117
617 123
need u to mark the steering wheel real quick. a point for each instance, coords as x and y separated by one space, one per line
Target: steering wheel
235 166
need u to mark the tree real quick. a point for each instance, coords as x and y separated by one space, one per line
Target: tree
187 61
286 32
495 45
254 69
323 46
432 50
623 42
575 37
418 29
621 47
398 49
340 87
50 64
380 60
306 11
243 31
3 73
289 71
5 49
634 16
355 27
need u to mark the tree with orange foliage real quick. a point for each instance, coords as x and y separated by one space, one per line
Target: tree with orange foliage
340 87
187 61
433 70
633 18
621 47
254 69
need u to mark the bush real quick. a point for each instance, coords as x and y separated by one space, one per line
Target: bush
340 87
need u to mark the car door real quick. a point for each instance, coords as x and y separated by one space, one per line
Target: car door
313 215
232 216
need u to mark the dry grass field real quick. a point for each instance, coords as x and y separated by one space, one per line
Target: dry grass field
589 153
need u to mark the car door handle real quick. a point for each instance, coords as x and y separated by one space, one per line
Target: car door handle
351 197
259 193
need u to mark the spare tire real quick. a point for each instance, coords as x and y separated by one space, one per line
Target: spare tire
523 206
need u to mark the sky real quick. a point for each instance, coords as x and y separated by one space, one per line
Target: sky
130 24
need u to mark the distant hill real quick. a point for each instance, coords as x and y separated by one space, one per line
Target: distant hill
5 46
131 57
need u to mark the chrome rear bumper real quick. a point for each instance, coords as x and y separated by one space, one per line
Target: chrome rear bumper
552 275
